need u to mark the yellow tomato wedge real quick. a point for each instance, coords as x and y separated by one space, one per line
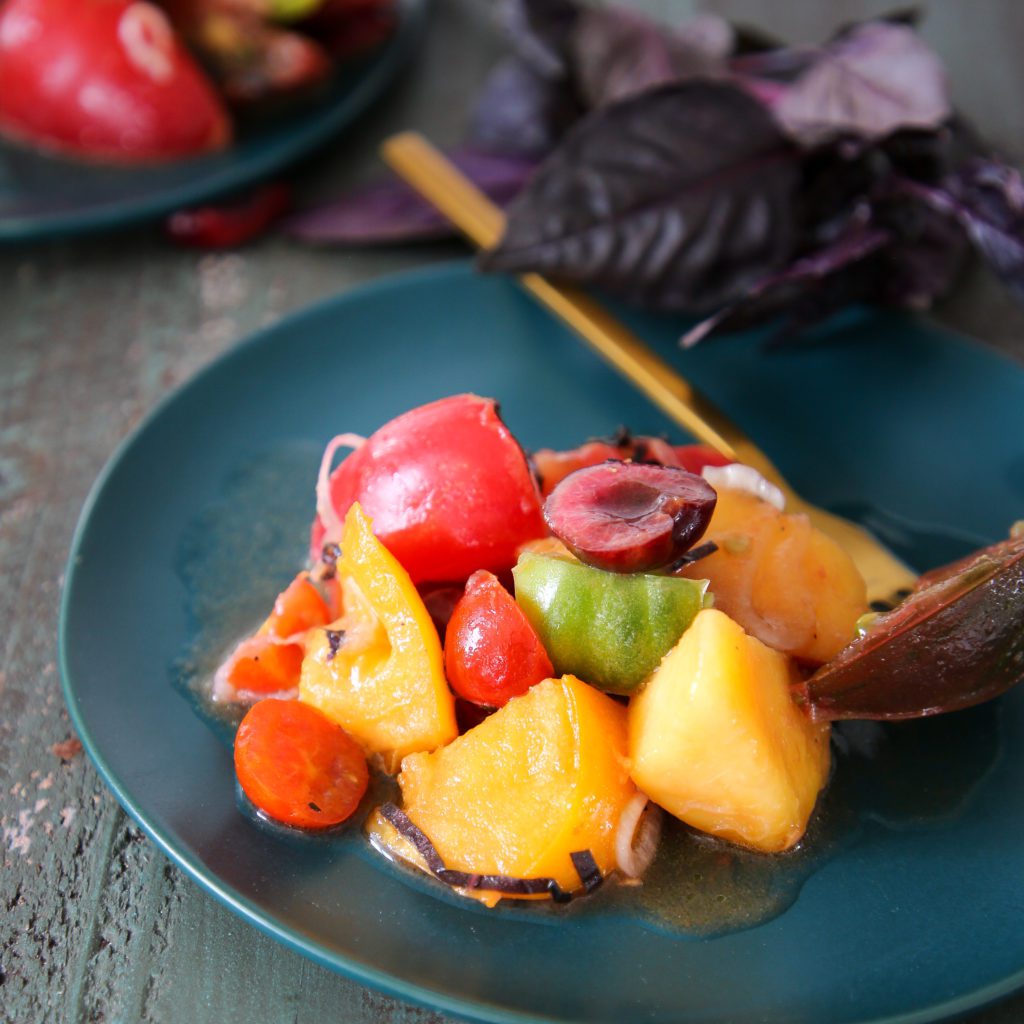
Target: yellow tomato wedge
540 779
378 671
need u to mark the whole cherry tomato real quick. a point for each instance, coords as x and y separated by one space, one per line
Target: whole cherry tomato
448 488
297 766
106 79
491 652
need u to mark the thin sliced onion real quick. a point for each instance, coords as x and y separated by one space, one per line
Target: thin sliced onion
738 477
637 836
324 506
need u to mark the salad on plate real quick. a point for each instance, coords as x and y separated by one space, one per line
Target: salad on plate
549 654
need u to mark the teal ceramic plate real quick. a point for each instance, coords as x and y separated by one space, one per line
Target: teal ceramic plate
43 197
203 513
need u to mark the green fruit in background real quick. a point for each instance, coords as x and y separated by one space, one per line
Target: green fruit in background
609 629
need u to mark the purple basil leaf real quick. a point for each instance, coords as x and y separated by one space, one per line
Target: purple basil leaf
676 199
897 253
539 32
522 112
928 254
799 283
617 53
389 211
876 78
987 199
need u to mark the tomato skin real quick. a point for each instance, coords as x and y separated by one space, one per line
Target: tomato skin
260 666
297 608
448 488
491 651
694 457
297 766
554 466
128 91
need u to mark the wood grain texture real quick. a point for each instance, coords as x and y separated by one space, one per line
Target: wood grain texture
95 924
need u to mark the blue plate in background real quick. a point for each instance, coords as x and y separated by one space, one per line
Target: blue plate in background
886 417
47 197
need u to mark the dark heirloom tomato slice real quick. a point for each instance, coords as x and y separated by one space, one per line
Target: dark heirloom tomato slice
957 640
491 652
107 79
448 488
297 766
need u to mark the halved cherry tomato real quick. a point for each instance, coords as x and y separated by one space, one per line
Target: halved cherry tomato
297 766
491 652
448 488
104 78
554 466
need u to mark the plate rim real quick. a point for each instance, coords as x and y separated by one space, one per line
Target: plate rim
349 966
384 65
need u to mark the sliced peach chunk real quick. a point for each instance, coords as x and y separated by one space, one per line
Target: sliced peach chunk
781 579
540 779
716 739
378 671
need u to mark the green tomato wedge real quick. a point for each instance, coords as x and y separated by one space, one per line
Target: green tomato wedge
609 629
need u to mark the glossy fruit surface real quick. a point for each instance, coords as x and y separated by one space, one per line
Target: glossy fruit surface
956 641
716 739
609 629
630 516
378 671
448 488
542 778
491 652
781 579
104 79
297 766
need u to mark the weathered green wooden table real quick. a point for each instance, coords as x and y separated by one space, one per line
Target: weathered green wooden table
95 925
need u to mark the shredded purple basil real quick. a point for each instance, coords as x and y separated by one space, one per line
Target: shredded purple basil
335 638
583 861
694 555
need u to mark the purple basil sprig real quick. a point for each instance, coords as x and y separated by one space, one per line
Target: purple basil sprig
704 167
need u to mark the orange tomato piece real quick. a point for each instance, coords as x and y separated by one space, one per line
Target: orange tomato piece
297 766
297 608
261 666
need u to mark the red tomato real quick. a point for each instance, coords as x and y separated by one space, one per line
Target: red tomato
554 466
491 652
228 225
104 78
448 488
297 766
694 457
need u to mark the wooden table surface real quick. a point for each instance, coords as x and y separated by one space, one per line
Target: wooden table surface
95 924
